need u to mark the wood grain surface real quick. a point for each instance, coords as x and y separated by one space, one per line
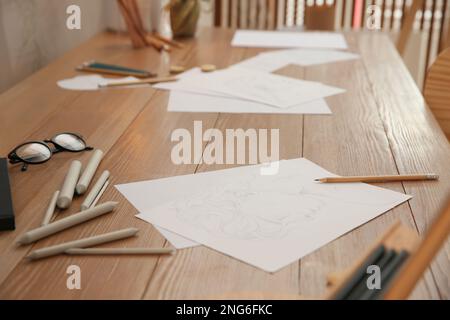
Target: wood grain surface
381 125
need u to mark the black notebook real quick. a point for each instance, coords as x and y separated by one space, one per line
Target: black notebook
6 207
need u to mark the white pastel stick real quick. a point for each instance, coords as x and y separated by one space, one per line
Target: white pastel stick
89 172
68 188
100 194
62 224
119 251
51 209
95 190
82 243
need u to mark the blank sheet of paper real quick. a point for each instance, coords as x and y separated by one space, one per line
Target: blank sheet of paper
270 89
266 221
274 60
283 39
180 101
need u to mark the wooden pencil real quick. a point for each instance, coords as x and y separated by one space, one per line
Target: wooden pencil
137 82
157 44
388 178
133 30
168 41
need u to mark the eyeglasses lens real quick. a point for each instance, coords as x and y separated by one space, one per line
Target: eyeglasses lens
70 142
34 152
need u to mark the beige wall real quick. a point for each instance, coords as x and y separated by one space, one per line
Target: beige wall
33 33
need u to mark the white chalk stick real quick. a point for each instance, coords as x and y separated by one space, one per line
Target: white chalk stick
93 204
119 251
68 189
62 224
95 190
51 209
82 243
89 172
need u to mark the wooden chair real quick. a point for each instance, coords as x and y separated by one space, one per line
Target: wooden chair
437 90
395 15
273 14
249 14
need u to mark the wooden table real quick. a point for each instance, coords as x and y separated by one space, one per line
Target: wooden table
381 125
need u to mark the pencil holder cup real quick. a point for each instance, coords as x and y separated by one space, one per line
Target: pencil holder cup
184 16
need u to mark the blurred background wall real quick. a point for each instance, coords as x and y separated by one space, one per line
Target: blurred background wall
33 33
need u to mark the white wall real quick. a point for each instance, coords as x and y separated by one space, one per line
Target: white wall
33 33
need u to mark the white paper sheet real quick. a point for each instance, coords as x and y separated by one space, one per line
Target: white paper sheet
242 83
90 82
183 101
266 221
271 89
180 101
283 39
274 60
146 195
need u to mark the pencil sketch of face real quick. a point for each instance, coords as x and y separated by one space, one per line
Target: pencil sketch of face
248 212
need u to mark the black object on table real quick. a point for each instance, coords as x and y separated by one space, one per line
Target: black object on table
7 221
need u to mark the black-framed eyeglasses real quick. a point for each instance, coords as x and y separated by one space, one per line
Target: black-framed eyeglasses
36 152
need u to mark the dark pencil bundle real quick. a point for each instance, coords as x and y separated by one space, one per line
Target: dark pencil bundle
389 261
402 259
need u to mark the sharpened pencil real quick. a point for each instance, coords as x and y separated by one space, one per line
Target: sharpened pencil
131 83
413 177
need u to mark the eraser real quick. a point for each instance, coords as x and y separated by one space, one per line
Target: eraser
7 221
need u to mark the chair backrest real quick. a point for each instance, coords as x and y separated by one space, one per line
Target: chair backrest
425 22
247 14
437 90
393 15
